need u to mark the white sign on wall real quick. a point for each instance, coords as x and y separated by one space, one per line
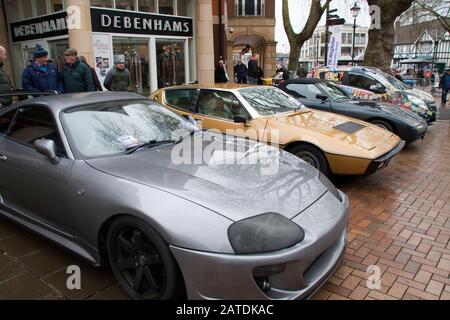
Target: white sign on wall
102 55
334 46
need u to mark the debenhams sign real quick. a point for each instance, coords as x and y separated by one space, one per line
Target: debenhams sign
52 25
111 21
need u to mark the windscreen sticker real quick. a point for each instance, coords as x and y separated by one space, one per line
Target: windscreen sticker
128 141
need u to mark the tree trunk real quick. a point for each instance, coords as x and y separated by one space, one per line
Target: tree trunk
294 55
380 49
296 40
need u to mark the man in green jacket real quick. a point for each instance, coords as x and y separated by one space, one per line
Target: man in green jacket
5 81
76 75
118 78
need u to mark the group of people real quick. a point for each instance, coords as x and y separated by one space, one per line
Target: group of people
243 74
42 76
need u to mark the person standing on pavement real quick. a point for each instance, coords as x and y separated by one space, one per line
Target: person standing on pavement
240 73
41 75
444 84
76 76
118 78
5 81
221 75
97 84
253 73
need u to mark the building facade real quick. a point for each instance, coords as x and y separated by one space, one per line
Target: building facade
245 26
313 51
164 42
421 40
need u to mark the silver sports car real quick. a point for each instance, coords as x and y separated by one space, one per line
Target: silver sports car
104 176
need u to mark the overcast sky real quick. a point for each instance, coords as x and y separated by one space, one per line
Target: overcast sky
299 11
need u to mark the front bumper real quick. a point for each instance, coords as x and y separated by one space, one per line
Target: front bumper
412 134
383 161
307 265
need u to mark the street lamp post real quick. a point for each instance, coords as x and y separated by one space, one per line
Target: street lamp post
317 38
355 13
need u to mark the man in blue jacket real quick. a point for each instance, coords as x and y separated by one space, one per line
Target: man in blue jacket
445 86
41 76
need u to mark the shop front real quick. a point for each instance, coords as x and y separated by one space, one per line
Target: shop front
155 47
156 39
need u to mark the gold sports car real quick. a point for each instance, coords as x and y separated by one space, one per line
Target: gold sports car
334 144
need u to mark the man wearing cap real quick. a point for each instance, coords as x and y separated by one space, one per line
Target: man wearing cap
76 75
40 75
118 78
5 81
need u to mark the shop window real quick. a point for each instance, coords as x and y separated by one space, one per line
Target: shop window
136 54
12 10
147 6
249 7
27 9
102 3
170 62
125 5
41 8
56 5
182 8
166 7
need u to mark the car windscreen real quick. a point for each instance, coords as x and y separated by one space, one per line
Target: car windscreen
112 128
334 91
395 82
270 101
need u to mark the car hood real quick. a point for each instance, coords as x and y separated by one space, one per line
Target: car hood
396 111
421 95
336 134
236 191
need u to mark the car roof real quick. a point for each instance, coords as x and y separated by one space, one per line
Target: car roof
305 81
60 102
224 86
350 68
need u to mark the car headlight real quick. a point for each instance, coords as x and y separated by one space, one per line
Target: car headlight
330 186
265 233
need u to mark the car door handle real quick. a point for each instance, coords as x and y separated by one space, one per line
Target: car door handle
3 157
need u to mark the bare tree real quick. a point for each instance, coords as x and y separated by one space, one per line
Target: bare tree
380 49
439 9
296 40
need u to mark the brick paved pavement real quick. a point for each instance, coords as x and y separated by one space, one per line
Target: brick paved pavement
400 221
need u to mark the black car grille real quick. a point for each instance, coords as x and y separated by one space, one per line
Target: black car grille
350 127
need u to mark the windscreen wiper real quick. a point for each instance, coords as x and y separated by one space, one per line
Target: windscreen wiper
149 144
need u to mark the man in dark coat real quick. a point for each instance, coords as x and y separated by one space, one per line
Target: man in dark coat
221 73
97 84
444 84
240 73
253 72
119 77
40 75
76 75
5 81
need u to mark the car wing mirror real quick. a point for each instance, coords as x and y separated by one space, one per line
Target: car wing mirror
190 118
240 119
321 97
47 148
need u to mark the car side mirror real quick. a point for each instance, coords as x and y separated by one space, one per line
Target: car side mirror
191 119
240 119
47 148
321 97
377 89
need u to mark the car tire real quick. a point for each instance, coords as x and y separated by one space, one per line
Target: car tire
312 156
142 262
383 124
